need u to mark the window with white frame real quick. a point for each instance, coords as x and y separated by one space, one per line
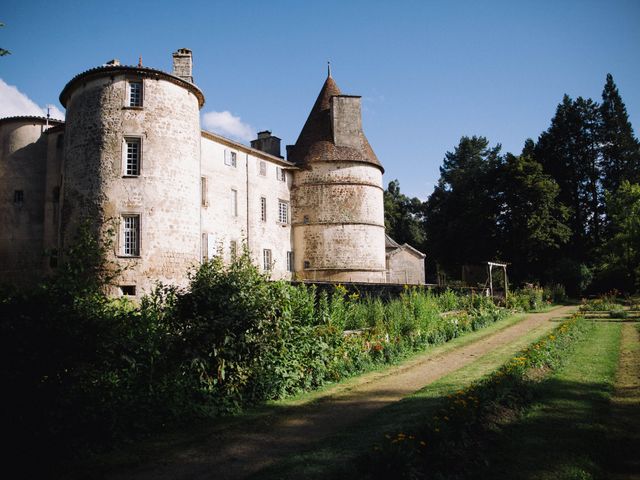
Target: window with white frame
290 261
263 209
230 158
234 202
204 191
266 259
133 156
130 235
283 211
135 94
281 174
262 168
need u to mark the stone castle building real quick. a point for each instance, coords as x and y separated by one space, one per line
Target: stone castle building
131 156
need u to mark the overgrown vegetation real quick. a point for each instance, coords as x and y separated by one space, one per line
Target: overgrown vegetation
452 444
87 371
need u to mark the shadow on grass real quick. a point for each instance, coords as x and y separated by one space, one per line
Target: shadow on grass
565 437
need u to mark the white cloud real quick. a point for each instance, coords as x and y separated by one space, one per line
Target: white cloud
227 124
14 103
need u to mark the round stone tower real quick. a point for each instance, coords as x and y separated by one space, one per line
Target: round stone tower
23 164
132 168
337 195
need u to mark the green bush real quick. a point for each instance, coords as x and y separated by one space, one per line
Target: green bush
109 370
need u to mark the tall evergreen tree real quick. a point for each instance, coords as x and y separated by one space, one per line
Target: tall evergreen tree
531 221
569 152
461 213
620 148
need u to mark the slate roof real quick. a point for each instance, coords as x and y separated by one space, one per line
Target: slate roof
315 142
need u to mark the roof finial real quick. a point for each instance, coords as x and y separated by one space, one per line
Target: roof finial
328 69
140 61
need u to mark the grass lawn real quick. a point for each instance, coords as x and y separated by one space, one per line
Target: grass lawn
334 457
564 435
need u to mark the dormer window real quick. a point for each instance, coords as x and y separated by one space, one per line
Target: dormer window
135 94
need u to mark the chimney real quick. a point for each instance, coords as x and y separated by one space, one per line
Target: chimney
183 64
346 121
267 143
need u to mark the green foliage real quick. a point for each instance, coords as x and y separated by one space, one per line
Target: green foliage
621 257
527 299
110 370
3 51
403 217
555 293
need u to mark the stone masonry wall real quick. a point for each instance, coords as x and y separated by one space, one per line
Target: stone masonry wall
222 223
338 222
23 149
166 194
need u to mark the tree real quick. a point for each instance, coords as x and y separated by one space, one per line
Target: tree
530 220
620 149
569 153
621 262
3 51
460 215
403 216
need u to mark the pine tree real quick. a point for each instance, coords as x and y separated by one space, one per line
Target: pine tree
620 149
460 215
531 221
569 153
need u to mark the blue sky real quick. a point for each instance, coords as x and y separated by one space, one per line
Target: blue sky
428 71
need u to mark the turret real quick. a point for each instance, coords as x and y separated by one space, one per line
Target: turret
132 168
337 196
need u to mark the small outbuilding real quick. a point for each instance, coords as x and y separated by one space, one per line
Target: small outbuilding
405 264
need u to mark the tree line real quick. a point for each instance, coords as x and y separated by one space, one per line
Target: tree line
565 210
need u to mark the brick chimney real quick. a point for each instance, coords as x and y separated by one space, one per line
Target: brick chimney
267 143
183 64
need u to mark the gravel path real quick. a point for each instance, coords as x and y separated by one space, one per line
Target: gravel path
236 453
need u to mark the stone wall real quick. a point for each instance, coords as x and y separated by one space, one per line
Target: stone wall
338 222
23 151
405 267
222 222
165 194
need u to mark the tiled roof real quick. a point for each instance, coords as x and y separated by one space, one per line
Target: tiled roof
31 118
315 142
142 71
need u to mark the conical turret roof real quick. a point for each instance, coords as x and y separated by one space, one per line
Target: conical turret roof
316 143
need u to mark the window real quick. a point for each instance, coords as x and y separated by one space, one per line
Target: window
305 219
266 259
290 261
281 174
307 264
133 156
18 197
203 191
263 209
135 94
283 212
131 235
263 168
128 290
230 158
233 249
234 202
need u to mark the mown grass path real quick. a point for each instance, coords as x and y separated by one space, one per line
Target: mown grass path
567 434
624 425
245 448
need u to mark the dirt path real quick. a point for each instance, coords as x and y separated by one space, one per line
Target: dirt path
237 453
624 427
